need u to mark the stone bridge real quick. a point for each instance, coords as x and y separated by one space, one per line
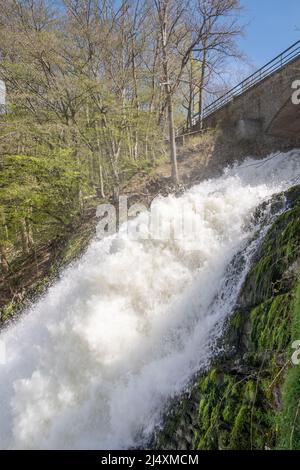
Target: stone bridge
259 115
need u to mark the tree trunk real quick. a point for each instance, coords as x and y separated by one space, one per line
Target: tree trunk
136 103
190 110
29 234
201 88
24 236
101 181
168 91
172 140
3 260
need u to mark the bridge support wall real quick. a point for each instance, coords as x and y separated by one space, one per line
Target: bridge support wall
262 119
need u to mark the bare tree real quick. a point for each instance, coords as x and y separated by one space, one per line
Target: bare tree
219 22
184 27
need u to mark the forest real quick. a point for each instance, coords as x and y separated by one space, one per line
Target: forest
96 91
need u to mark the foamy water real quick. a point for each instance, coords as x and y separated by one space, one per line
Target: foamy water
96 361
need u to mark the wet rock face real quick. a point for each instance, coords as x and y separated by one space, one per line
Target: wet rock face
245 400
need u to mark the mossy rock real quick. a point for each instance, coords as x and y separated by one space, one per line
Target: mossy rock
250 398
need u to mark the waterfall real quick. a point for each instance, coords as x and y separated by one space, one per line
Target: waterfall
95 362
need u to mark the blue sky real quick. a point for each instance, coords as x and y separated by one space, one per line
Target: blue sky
272 27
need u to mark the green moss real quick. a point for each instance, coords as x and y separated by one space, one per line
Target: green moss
271 323
239 436
279 250
238 401
289 418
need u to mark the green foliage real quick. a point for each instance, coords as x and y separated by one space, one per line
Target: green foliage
43 190
81 118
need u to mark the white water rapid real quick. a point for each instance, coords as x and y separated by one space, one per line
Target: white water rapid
93 364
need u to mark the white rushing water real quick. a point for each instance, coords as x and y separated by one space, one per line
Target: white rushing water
95 361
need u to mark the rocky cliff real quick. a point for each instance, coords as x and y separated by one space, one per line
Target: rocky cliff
250 396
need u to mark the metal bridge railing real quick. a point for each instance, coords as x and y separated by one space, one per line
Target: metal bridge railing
268 69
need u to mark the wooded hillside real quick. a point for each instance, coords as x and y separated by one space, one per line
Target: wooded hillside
95 90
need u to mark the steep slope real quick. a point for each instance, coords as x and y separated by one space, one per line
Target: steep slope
250 397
